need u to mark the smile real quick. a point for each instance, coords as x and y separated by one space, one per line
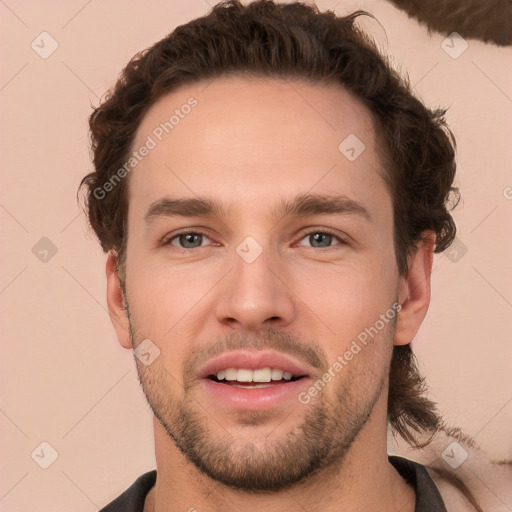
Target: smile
255 379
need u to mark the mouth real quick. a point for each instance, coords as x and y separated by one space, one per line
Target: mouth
259 378
254 380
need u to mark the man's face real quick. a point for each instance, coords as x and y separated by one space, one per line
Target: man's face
251 286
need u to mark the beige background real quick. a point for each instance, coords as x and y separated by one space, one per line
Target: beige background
64 378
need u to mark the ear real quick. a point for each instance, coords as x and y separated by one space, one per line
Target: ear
115 300
414 291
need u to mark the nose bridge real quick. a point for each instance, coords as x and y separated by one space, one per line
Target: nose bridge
254 293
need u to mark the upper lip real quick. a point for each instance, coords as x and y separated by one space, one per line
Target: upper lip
253 361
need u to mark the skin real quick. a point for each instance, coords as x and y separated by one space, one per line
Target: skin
250 144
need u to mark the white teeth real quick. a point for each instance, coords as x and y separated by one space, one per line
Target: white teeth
244 375
260 375
277 374
230 374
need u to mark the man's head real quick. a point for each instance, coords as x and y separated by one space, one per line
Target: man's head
313 188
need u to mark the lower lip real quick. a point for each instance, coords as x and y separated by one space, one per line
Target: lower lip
255 399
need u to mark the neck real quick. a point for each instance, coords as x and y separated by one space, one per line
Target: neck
363 480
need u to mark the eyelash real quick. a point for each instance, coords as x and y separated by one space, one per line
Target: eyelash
323 231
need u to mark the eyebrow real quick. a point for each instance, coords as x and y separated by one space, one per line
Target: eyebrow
300 205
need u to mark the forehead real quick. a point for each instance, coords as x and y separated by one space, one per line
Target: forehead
255 138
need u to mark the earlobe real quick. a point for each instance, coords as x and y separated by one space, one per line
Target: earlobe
116 302
414 292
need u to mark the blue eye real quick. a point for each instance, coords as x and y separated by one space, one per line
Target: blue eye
189 240
193 240
322 239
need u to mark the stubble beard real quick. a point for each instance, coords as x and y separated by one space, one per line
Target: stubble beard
321 440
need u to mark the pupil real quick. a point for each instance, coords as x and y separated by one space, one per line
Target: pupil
321 238
187 240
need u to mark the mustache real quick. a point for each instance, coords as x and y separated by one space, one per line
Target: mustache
270 339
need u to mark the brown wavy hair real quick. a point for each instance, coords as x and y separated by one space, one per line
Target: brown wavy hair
294 41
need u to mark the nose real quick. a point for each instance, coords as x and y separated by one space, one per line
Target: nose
255 295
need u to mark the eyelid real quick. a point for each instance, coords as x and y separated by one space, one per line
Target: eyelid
343 239
166 240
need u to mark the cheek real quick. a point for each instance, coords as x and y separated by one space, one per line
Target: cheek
161 295
161 300
347 299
